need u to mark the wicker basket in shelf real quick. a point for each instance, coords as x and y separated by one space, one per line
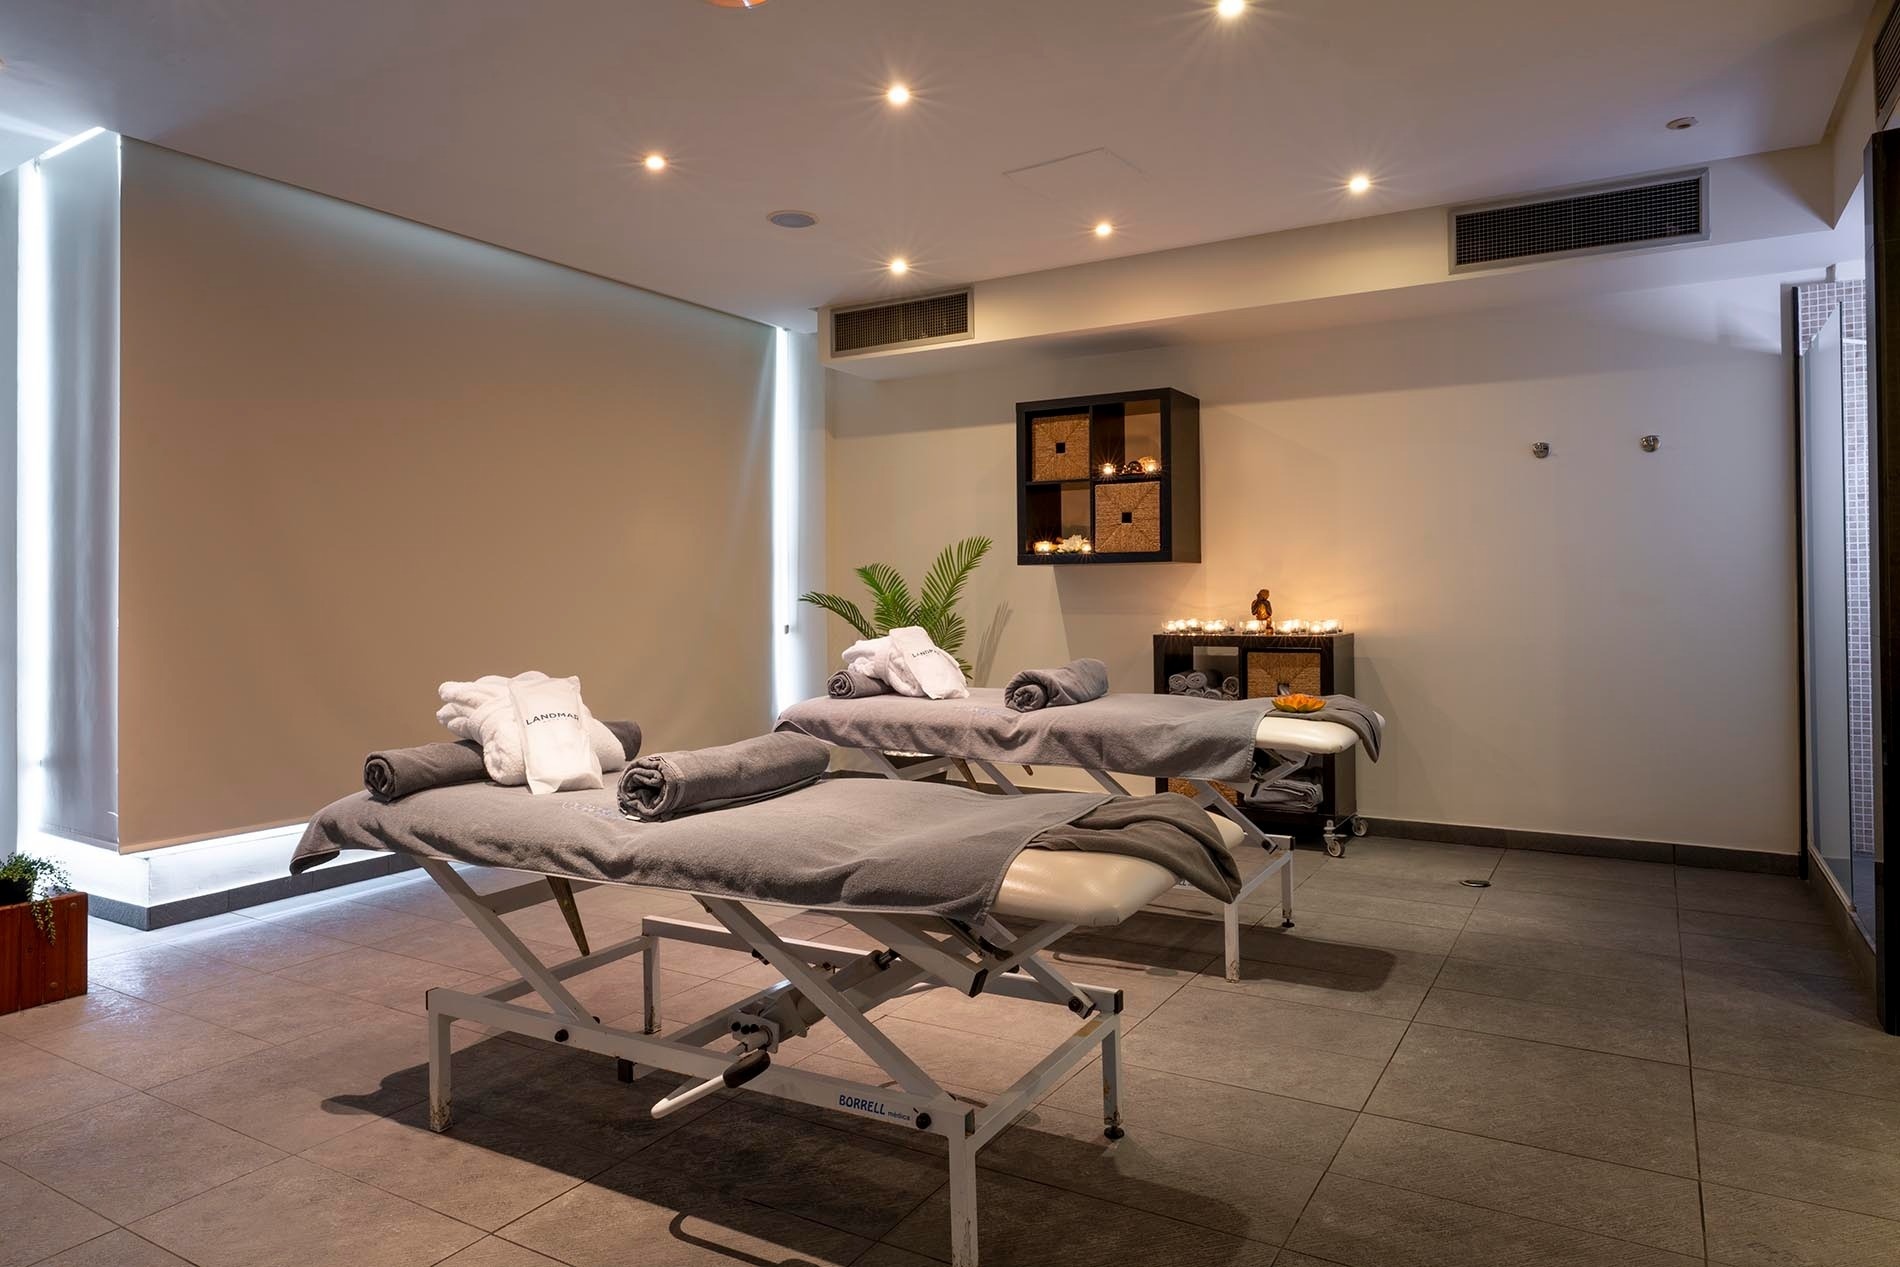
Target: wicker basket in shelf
1059 448
1182 787
1267 671
1128 518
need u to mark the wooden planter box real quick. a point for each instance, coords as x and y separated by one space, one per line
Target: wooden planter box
34 971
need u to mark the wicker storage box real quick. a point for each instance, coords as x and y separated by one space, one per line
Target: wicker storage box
1128 518
1059 448
1181 787
1269 671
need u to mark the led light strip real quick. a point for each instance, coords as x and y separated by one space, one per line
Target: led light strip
34 481
785 672
33 502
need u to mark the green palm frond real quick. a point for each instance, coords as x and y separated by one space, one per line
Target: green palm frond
890 595
943 584
947 630
843 608
893 606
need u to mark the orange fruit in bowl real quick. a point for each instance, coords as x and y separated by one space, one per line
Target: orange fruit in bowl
1297 703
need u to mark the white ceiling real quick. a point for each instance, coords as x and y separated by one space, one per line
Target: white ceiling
522 124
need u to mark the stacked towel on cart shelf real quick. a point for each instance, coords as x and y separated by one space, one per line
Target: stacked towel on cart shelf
1201 684
1293 795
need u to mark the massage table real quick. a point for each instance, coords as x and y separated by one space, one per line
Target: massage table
981 731
996 950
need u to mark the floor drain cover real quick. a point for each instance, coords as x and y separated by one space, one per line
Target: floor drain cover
1476 884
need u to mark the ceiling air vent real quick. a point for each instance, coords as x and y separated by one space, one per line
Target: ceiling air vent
1654 212
908 323
1886 66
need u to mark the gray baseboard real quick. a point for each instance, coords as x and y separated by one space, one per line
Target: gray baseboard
1713 856
165 914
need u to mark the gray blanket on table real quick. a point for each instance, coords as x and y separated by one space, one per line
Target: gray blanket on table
842 843
1344 710
1164 736
1076 682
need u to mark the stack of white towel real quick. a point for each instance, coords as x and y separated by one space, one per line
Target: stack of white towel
909 663
484 711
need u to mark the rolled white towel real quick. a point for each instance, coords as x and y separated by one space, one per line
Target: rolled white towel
907 661
481 711
873 657
934 670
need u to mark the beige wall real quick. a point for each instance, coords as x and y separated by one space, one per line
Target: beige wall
1601 643
360 456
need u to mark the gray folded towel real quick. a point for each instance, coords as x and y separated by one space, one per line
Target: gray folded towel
1287 794
669 784
394 773
1230 687
1197 680
851 684
1076 682
1350 713
1177 683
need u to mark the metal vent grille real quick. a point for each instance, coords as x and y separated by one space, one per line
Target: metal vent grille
1650 214
1886 66
934 318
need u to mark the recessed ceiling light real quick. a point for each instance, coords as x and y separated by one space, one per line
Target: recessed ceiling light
1359 183
655 162
1683 124
793 219
1103 229
898 95
900 266
1231 8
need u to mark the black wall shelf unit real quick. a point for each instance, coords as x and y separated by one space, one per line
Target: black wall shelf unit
1062 490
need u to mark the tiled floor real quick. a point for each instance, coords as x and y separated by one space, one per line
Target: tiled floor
1589 1062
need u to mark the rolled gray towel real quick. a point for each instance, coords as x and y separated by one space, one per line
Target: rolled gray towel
395 773
1197 680
669 784
628 733
1076 682
1230 687
851 684
1177 683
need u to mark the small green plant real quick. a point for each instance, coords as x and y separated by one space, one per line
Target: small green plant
934 608
35 880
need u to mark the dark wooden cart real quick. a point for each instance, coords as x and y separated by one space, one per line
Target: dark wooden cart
1267 665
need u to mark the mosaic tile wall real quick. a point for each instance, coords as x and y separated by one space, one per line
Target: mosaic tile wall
1814 303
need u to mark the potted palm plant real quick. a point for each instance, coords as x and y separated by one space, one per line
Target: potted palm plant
933 608
42 934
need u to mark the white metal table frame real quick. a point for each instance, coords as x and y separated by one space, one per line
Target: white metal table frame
1279 849
818 981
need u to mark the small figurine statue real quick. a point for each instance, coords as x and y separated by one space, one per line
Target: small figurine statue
1263 609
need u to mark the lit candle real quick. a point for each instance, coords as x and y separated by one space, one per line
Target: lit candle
1150 465
1045 547
1252 626
1108 469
